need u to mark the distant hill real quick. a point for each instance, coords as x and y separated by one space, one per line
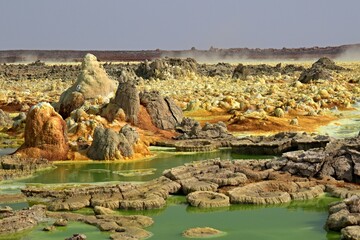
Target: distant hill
351 51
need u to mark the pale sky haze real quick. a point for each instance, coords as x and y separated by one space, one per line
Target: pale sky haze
177 24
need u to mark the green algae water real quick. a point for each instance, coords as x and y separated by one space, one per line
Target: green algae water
247 222
140 171
297 220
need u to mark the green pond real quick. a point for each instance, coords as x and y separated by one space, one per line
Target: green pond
297 220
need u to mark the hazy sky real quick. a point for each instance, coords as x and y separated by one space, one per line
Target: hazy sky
177 24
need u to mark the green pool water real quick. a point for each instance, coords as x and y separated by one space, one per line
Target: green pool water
144 170
298 220
304 221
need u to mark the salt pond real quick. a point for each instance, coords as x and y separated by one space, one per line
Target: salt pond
297 220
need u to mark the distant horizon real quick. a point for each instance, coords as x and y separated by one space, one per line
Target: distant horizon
196 49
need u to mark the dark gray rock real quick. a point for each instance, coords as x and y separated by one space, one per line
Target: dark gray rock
110 145
130 134
127 98
166 68
164 113
314 73
327 63
319 70
191 129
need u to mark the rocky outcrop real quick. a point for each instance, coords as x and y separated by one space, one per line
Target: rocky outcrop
13 166
194 138
92 83
279 143
77 236
350 233
319 70
149 195
110 145
207 175
207 199
166 68
344 216
130 233
261 145
343 191
164 113
127 98
327 63
5 120
126 102
17 221
45 134
243 71
301 163
275 192
121 227
202 232
196 146
313 74
340 159
191 129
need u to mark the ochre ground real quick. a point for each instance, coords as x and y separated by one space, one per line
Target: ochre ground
258 126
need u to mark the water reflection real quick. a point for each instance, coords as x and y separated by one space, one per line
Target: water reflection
144 170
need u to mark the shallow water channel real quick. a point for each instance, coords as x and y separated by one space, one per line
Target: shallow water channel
297 220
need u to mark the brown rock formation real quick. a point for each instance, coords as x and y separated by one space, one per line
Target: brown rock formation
45 134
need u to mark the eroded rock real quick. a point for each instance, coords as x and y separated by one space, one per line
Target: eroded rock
344 214
164 113
92 82
207 199
17 221
203 232
319 70
110 145
45 134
